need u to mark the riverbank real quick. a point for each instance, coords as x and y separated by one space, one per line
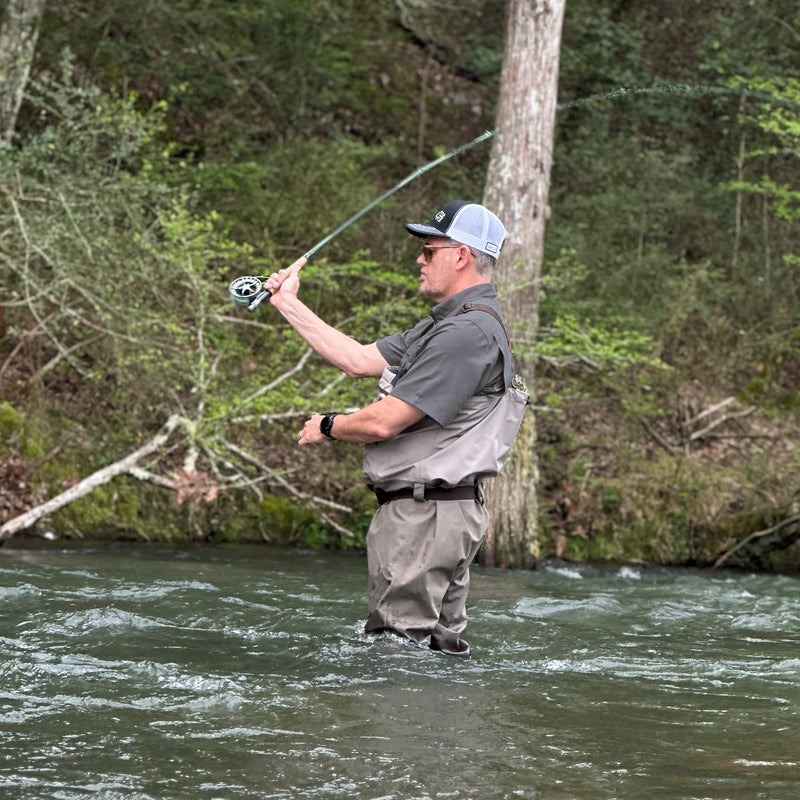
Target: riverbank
701 478
708 482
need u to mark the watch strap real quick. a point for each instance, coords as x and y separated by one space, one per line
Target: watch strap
325 425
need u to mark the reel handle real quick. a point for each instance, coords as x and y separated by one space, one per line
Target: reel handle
259 299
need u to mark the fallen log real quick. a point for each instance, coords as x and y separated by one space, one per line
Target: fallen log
89 483
777 537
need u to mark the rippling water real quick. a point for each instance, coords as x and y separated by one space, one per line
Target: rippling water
141 672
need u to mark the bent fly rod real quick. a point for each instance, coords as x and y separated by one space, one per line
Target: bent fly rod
249 292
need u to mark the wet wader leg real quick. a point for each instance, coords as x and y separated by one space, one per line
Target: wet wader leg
401 547
469 521
418 557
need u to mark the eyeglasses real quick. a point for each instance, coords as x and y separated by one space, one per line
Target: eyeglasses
428 252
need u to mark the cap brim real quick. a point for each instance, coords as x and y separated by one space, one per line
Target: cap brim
415 229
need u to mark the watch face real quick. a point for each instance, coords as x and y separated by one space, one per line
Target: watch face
325 425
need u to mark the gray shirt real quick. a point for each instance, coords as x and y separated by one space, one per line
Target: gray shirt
447 358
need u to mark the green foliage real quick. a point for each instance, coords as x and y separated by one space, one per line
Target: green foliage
124 272
778 119
129 281
601 51
757 40
604 347
291 196
11 420
184 144
617 355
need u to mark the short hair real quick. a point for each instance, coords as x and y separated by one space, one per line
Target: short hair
484 263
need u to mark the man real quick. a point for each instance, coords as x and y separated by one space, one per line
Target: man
444 419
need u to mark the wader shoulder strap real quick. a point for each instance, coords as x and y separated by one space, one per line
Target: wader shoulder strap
481 307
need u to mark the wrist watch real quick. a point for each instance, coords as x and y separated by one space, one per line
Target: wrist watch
325 425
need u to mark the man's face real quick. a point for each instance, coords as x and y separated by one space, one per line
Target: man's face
436 268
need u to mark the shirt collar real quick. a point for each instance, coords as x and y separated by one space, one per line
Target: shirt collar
448 306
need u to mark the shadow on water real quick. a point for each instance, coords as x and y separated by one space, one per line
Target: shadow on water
145 672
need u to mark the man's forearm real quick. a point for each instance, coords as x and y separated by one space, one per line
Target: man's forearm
354 359
376 422
344 352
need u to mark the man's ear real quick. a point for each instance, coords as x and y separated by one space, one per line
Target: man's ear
465 258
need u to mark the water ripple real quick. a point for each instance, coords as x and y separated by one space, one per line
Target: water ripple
227 674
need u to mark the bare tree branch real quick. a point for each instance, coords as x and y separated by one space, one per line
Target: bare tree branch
54 361
705 431
94 480
710 410
752 537
318 501
145 475
281 378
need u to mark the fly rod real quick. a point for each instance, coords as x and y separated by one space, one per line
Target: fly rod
249 292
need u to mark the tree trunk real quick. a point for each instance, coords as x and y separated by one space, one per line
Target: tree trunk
19 30
517 186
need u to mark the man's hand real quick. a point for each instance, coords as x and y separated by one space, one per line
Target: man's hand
285 283
311 434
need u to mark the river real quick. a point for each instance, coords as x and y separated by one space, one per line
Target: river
147 673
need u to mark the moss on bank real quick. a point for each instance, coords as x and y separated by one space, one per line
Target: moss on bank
127 511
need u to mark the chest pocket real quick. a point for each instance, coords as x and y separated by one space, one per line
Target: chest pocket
413 350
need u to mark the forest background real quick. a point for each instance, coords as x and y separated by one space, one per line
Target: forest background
165 148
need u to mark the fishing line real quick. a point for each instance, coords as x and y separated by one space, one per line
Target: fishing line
676 89
664 88
413 176
249 292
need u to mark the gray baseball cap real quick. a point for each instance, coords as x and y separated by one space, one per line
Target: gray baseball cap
469 223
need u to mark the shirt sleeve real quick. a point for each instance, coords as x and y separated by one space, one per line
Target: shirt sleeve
456 363
394 346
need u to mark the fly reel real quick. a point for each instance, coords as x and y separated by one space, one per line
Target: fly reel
248 291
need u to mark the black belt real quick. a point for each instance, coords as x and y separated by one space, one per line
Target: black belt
438 493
